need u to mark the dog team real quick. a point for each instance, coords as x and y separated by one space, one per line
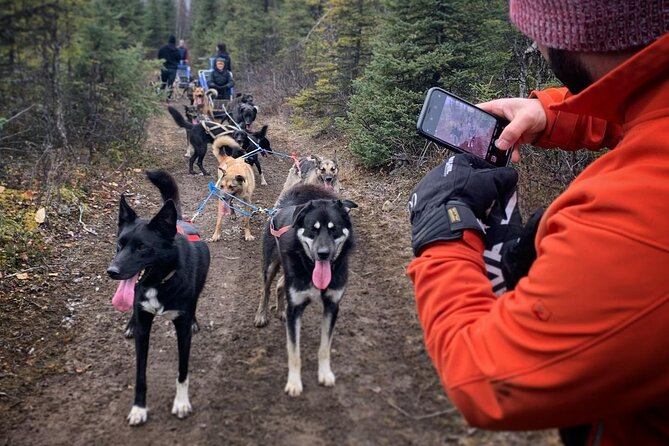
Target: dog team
162 264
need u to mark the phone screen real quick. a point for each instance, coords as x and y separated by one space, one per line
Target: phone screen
464 127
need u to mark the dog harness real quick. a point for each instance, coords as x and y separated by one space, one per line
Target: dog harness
282 229
187 228
214 129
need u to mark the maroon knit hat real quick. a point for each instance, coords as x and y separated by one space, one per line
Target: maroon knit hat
591 25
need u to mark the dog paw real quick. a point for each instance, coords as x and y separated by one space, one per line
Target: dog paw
216 237
137 415
195 327
129 333
293 388
261 320
181 408
281 315
326 378
249 237
263 182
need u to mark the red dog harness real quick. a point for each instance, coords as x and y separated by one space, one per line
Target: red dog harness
187 228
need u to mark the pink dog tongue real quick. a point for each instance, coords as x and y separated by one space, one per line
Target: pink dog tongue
225 210
124 297
328 185
322 275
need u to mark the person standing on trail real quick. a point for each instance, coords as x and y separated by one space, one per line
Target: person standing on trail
579 339
221 80
222 53
183 52
170 55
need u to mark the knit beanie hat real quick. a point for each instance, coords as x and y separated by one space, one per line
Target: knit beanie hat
591 25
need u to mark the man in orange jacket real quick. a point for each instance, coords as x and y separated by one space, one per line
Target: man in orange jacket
581 342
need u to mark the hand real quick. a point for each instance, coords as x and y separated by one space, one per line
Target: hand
454 196
527 120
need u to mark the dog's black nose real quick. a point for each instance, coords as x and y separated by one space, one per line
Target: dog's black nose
323 253
113 272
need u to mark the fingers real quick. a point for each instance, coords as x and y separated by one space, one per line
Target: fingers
527 119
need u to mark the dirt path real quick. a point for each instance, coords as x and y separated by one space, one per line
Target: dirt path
386 391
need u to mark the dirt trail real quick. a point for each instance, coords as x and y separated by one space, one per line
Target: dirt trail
386 393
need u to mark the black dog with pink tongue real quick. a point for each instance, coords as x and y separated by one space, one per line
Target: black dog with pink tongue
311 238
161 273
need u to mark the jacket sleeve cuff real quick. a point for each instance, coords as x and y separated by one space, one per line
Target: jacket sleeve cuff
470 238
559 125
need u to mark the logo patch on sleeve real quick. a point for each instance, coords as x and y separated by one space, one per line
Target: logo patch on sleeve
453 215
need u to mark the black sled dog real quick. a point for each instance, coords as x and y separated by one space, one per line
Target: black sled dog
311 238
162 272
199 136
249 142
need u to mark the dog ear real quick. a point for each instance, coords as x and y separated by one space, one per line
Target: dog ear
126 214
240 179
261 133
347 204
165 221
300 212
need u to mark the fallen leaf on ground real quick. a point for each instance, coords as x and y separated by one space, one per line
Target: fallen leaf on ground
22 276
136 170
40 215
2 189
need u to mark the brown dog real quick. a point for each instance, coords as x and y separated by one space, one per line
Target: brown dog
202 100
314 170
235 178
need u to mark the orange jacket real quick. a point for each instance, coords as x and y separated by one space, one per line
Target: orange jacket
584 338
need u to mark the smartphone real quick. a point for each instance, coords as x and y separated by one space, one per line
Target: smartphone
460 126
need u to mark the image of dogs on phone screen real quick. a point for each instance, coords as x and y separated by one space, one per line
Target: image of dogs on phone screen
162 269
307 243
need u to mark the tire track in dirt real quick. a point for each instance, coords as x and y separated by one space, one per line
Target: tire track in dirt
385 382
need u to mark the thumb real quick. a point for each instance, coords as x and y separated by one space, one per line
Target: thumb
513 132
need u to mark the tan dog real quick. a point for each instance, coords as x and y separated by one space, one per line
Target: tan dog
202 100
319 171
235 178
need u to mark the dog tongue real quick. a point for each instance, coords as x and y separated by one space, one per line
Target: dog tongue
328 185
124 297
322 275
225 210
199 100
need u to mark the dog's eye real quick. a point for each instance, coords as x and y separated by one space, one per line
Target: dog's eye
323 169
139 246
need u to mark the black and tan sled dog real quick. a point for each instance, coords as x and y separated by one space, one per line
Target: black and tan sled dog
162 273
310 238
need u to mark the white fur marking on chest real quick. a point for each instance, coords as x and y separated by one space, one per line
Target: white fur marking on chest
335 295
152 305
299 297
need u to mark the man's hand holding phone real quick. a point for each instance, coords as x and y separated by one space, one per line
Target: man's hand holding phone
462 127
527 120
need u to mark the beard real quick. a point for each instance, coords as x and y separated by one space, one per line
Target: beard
569 70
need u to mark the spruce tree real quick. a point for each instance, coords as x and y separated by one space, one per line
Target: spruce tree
423 43
335 55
